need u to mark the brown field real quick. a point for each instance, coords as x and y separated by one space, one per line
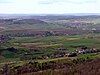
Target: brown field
37 45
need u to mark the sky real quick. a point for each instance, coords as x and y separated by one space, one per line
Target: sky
49 6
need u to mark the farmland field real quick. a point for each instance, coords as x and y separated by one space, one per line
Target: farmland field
66 41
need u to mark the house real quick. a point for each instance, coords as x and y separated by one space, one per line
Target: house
62 49
84 50
72 54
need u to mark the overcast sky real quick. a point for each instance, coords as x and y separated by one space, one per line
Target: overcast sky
49 6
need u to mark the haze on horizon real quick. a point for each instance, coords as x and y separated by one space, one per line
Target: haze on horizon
49 6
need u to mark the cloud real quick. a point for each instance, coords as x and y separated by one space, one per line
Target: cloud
47 1
6 1
50 6
67 1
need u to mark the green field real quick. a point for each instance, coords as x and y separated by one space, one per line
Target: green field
66 41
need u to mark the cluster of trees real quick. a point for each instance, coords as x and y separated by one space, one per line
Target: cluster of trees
28 33
4 38
12 52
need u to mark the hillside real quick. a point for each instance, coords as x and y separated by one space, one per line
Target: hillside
85 68
51 22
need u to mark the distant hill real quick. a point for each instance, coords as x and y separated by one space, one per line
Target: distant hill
42 22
